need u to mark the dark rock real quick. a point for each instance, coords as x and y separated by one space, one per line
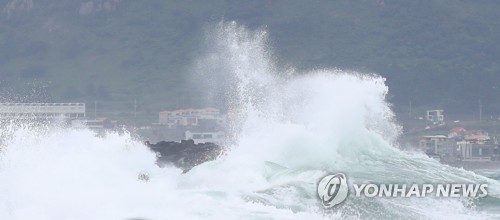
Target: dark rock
186 154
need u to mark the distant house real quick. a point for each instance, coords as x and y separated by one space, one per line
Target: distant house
204 137
42 111
457 133
478 152
435 116
96 124
476 145
190 117
477 137
432 144
461 144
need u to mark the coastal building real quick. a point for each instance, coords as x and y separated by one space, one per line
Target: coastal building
432 144
205 137
42 111
461 145
477 137
435 116
101 123
478 152
457 133
190 117
200 125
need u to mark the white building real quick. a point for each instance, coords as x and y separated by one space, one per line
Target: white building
42 110
204 137
477 152
432 143
99 124
189 117
435 116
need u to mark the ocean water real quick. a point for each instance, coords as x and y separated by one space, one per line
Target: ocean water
289 129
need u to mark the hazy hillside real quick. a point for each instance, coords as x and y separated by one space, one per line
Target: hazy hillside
434 53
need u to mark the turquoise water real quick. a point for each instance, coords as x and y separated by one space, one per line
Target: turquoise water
490 173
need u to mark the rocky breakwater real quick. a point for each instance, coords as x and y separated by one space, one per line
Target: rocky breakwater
185 154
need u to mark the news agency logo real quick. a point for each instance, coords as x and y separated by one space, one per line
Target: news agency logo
333 190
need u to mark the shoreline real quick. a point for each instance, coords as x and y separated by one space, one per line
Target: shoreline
474 165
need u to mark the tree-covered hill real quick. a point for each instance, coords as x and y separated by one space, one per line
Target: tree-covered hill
433 53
